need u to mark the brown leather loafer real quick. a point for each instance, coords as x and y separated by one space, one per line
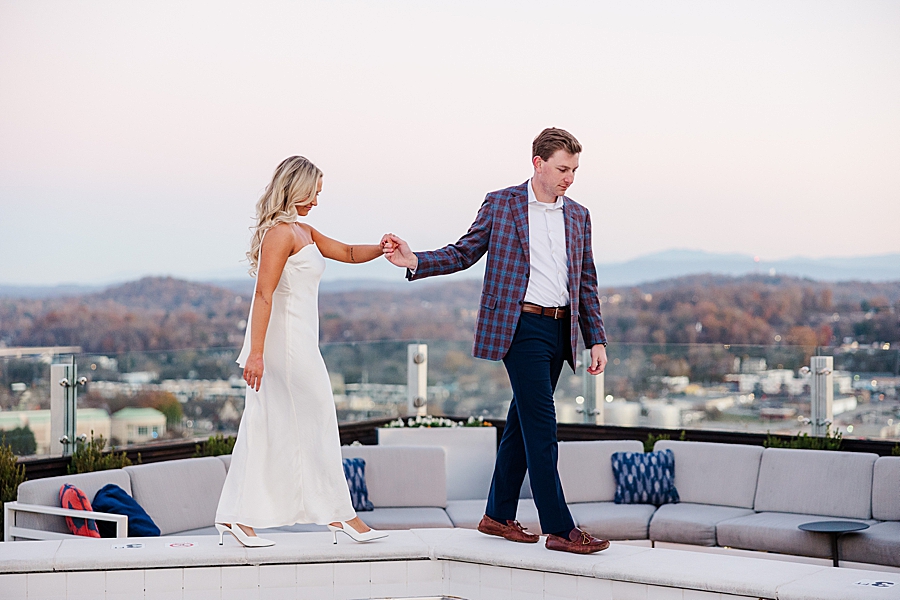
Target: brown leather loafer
579 542
513 530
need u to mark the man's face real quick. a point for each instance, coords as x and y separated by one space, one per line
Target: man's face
557 173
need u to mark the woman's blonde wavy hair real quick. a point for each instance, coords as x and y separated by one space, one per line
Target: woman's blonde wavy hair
294 183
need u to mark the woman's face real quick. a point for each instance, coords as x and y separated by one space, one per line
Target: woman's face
304 209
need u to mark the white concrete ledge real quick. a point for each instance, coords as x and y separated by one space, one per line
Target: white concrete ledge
475 560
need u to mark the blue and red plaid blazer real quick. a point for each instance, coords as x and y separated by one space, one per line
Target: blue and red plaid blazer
501 231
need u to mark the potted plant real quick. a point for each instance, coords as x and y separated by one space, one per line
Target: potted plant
11 475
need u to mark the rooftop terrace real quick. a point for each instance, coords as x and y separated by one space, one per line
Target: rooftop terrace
411 564
426 563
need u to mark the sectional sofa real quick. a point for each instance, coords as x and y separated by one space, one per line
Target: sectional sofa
753 498
406 485
734 496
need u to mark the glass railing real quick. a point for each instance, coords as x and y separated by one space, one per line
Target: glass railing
152 397
25 402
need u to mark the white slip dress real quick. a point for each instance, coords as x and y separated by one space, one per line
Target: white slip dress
286 466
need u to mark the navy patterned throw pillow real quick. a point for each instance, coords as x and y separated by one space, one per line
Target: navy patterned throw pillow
355 472
645 478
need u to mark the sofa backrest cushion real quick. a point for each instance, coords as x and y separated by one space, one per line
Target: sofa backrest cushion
816 482
403 476
886 489
179 494
46 493
720 474
226 459
585 468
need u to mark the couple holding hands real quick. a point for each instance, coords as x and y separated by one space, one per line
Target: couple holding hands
540 287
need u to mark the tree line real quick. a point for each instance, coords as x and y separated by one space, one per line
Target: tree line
169 314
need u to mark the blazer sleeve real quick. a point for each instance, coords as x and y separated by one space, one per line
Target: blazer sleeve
589 317
461 255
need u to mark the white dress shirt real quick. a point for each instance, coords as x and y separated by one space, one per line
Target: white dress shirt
548 283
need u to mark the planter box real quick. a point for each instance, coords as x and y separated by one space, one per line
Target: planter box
471 452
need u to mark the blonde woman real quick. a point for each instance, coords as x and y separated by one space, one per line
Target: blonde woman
286 467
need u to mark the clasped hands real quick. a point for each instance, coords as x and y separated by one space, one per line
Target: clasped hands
397 252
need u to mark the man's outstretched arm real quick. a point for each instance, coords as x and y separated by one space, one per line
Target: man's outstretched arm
449 259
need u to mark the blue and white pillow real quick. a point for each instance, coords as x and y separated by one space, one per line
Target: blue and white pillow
355 472
645 478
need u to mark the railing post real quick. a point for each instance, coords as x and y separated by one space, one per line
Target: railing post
63 401
821 394
593 389
417 379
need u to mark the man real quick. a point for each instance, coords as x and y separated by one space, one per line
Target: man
540 285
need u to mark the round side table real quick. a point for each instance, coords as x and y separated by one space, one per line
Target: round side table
835 529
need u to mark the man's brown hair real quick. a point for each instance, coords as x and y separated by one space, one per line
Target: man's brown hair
552 139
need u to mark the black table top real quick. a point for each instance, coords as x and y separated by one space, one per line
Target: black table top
833 526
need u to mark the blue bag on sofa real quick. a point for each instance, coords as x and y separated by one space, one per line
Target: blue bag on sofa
113 499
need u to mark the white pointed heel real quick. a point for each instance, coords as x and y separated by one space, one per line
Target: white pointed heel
354 535
248 541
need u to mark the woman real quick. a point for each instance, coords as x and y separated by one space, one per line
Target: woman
286 467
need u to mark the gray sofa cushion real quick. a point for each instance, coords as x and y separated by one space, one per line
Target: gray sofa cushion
225 458
46 493
211 530
688 523
720 474
403 476
298 527
879 544
585 468
886 489
816 482
295 528
179 495
775 532
611 521
467 513
406 518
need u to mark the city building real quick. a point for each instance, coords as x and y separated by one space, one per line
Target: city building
137 425
88 422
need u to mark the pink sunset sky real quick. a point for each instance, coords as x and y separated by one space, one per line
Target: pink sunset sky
137 136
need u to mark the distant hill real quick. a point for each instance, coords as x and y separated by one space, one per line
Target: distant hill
668 264
164 313
677 263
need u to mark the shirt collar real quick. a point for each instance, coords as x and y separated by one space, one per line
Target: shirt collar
532 199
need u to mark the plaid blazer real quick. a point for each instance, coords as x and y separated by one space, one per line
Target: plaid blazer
501 231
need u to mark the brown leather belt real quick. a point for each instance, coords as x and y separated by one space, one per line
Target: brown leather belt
557 312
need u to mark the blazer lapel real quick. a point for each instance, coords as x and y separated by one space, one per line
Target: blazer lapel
573 241
519 207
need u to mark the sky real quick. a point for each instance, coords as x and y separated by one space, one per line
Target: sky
136 137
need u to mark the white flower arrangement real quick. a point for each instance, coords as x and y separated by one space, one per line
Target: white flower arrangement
430 421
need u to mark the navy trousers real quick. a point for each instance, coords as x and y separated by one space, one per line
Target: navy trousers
534 361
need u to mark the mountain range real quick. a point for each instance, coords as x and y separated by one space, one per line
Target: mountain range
668 264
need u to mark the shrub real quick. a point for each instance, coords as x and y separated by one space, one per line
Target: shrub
652 439
895 451
11 475
89 457
216 445
806 442
20 440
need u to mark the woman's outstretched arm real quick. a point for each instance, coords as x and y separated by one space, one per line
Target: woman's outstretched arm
275 250
341 252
